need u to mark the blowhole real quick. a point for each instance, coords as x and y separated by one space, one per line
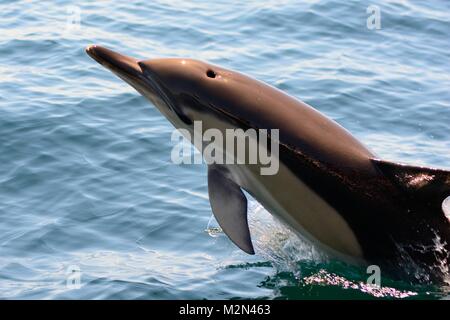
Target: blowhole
210 73
446 207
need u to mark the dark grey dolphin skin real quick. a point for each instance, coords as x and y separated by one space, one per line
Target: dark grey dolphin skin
330 188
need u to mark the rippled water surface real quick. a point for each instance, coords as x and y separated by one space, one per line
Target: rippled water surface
86 180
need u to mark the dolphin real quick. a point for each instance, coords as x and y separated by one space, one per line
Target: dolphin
329 188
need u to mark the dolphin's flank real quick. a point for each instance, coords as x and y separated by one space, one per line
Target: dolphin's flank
329 188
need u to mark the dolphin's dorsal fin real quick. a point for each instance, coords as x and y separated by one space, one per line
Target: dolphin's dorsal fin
423 182
229 206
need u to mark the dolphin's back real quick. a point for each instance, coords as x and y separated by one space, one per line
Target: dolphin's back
301 127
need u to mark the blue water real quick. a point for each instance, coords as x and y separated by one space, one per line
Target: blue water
86 180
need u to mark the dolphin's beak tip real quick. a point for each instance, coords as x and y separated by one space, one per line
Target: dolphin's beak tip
114 60
90 49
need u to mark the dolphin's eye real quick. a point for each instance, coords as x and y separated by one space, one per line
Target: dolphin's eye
210 73
446 207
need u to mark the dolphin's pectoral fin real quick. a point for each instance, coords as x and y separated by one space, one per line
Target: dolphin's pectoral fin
428 184
229 206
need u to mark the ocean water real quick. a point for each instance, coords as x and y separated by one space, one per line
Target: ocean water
91 206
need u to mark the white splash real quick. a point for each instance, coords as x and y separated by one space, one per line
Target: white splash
446 207
330 279
274 241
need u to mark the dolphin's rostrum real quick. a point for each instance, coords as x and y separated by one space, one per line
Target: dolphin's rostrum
330 188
